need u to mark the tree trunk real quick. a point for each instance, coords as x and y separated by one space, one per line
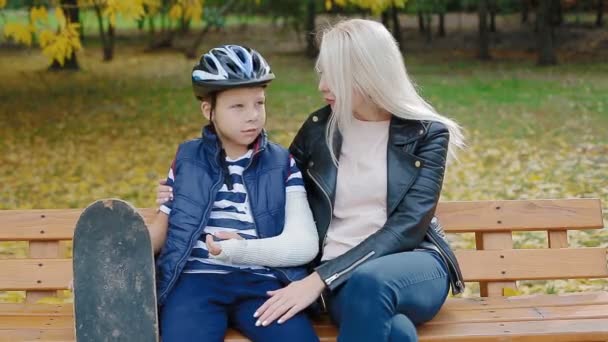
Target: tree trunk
311 13
493 9
442 24
151 29
108 48
546 44
558 13
524 11
191 52
484 37
384 19
427 26
184 26
70 8
107 38
420 22
164 22
396 23
599 20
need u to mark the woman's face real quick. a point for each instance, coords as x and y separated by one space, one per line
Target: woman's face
358 100
327 94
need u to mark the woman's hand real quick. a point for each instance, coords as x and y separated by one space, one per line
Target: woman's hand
164 193
288 301
213 247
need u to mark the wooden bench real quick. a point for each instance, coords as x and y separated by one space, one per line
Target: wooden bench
494 264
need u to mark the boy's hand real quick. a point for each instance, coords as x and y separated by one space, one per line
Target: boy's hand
213 247
164 193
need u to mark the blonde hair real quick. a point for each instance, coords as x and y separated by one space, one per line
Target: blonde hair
362 56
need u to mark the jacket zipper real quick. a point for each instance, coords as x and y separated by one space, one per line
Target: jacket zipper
331 279
331 207
448 259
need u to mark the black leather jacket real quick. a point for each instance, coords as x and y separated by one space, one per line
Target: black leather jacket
416 159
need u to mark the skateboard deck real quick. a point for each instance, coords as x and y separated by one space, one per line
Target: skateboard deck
114 284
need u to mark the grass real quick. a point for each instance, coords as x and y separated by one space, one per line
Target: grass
111 130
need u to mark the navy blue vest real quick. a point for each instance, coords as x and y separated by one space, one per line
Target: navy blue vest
198 178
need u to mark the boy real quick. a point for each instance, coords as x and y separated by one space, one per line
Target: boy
238 213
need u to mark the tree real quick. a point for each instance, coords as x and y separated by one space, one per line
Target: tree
396 23
58 43
421 27
493 8
441 30
484 36
311 12
524 10
191 52
384 17
599 19
107 39
70 7
546 43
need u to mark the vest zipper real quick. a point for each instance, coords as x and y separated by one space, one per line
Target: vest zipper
255 226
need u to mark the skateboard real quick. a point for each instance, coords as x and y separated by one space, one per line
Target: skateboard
114 282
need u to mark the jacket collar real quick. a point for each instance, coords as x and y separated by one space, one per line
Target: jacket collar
401 131
404 131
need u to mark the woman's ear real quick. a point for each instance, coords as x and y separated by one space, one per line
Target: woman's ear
206 109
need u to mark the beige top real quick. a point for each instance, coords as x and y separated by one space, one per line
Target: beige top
361 187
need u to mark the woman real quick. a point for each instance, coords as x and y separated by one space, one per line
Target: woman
373 162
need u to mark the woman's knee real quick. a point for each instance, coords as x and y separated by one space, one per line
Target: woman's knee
402 329
368 278
366 289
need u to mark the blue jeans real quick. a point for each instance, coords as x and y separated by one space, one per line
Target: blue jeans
201 306
386 298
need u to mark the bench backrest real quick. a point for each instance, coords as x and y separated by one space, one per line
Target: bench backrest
495 264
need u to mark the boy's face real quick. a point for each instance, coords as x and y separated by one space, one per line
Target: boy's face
239 115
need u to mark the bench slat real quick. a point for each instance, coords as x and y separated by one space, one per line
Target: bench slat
36 322
469 316
452 304
518 264
536 331
35 274
38 224
54 335
456 217
26 309
558 330
521 215
533 264
548 313
580 298
44 313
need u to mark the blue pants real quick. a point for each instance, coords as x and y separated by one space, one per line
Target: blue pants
386 298
201 306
